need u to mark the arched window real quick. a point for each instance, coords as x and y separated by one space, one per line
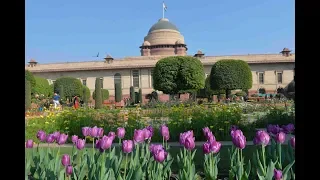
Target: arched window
117 78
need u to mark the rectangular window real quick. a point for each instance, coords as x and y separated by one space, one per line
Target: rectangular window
135 78
261 78
279 77
84 82
151 76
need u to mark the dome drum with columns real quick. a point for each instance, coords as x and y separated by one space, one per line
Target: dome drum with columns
163 38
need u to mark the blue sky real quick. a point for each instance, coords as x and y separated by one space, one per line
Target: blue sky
69 31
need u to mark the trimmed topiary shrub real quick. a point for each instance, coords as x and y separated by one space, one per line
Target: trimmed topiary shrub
241 93
104 94
132 95
178 74
42 86
230 74
29 77
140 95
118 92
98 94
27 94
71 86
86 94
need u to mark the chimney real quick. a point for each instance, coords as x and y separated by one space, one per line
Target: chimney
32 63
108 59
199 54
285 52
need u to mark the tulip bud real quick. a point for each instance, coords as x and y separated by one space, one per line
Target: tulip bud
206 148
50 138
29 143
280 137
62 139
65 160
80 144
160 155
147 133
164 130
261 138
69 170
112 135
288 129
293 142
106 142
100 132
127 146
121 132
189 143
86 131
215 146
277 174
138 135
155 147
74 139
150 128
56 135
94 132
41 135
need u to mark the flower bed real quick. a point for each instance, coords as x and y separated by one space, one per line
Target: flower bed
178 118
139 158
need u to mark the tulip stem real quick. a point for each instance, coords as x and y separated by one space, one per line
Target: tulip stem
119 141
279 155
93 147
125 166
162 141
264 158
72 153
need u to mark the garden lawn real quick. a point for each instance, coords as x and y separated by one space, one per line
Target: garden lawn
224 164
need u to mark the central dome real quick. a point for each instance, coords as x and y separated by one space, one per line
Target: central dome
163 23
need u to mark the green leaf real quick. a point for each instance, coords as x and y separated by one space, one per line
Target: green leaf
61 174
167 166
270 170
286 169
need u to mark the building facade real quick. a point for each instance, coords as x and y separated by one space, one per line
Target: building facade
269 71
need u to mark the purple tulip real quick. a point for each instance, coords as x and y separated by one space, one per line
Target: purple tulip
106 142
29 143
112 135
138 135
293 142
210 137
86 131
74 139
238 139
62 139
280 137
189 143
50 138
127 146
69 170
288 129
273 129
98 144
94 132
206 148
41 135
205 130
56 135
155 147
65 160
150 128
164 130
147 133
215 147
184 136
261 138
100 132
160 155
277 174
80 143
121 132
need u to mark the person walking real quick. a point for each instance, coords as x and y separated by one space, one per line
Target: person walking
76 102
56 99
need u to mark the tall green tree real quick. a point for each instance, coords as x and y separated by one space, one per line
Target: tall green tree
118 92
178 74
86 94
98 94
132 95
140 95
105 94
30 77
71 86
42 86
230 74
27 94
